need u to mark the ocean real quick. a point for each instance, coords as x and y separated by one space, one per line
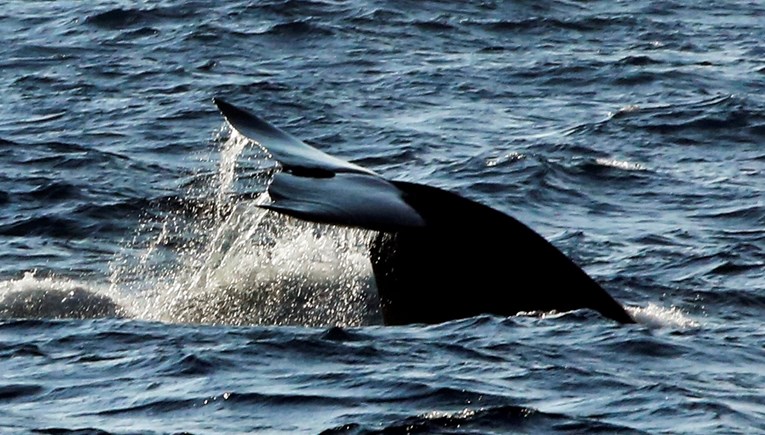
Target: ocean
143 291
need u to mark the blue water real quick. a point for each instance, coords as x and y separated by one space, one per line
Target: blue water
142 290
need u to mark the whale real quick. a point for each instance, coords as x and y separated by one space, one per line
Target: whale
436 256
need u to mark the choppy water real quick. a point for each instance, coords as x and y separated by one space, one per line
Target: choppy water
142 291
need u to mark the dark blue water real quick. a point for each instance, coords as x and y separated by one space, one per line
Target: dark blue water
142 290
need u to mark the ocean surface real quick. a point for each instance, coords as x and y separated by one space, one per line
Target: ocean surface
143 291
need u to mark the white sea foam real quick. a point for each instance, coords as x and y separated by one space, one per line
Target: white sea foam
655 316
56 298
620 164
504 158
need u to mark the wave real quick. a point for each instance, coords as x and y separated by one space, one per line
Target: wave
299 28
580 24
119 18
508 418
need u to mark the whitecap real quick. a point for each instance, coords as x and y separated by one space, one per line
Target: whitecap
31 297
620 164
655 316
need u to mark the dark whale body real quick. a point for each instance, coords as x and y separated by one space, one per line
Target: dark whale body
437 256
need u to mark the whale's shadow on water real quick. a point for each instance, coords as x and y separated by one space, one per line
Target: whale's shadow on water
437 256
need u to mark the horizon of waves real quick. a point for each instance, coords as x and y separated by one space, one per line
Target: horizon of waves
234 263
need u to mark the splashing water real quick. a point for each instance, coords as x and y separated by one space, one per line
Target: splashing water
235 263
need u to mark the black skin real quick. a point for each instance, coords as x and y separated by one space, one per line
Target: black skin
470 259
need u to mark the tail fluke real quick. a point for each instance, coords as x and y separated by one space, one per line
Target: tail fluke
318 187
293 154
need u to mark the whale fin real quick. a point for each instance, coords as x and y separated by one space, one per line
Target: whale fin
438 256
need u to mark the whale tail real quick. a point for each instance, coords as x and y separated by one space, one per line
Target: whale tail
437 256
